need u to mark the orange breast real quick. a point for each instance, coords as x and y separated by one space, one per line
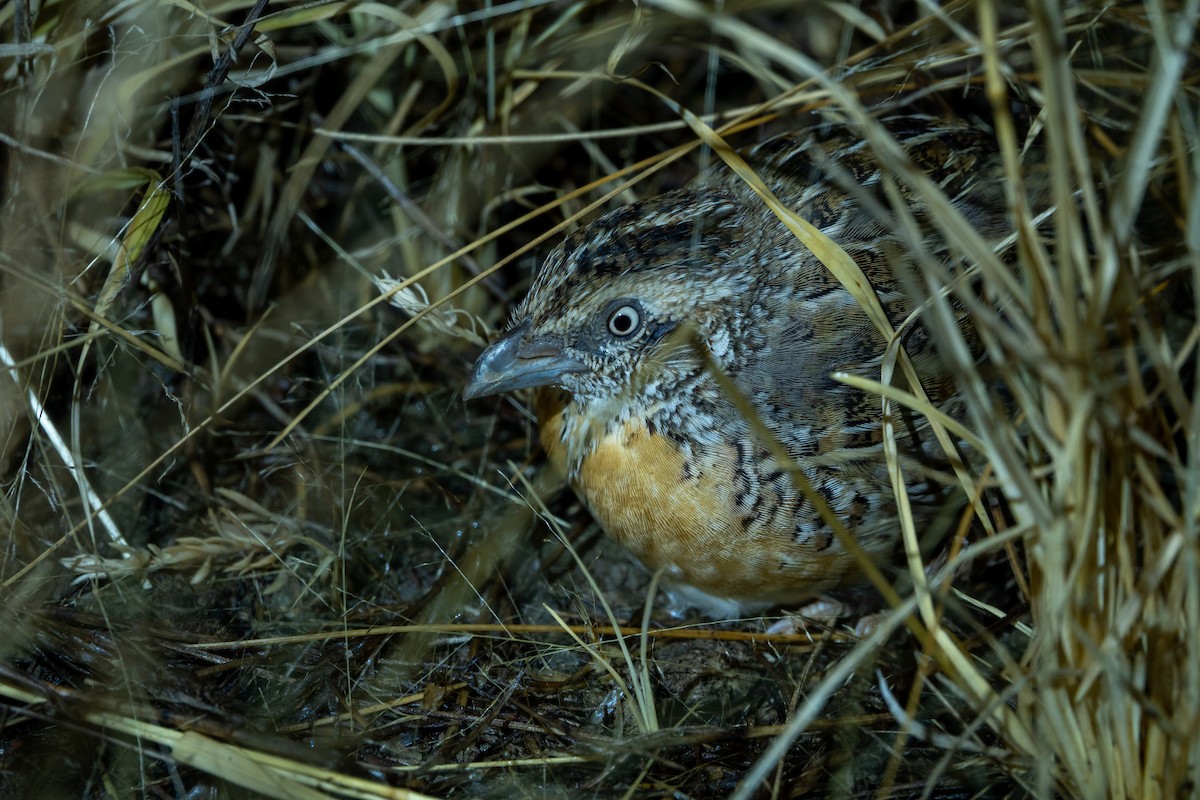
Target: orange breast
681 518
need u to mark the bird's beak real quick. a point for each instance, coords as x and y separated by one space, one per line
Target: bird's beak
519 361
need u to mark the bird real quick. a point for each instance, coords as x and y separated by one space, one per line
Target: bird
633 319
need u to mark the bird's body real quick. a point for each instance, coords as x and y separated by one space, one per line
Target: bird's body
629 317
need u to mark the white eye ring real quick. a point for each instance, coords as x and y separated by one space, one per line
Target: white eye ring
624 321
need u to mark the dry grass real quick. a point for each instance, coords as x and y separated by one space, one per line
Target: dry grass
257 544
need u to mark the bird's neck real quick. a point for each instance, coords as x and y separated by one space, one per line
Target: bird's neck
573 427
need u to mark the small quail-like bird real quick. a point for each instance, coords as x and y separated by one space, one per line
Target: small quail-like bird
629 407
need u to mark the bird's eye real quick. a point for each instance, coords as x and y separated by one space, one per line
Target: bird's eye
624 321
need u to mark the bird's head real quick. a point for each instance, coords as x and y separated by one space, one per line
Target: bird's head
599 318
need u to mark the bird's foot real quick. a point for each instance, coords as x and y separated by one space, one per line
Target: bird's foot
824 612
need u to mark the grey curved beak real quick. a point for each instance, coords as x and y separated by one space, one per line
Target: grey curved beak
518 361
